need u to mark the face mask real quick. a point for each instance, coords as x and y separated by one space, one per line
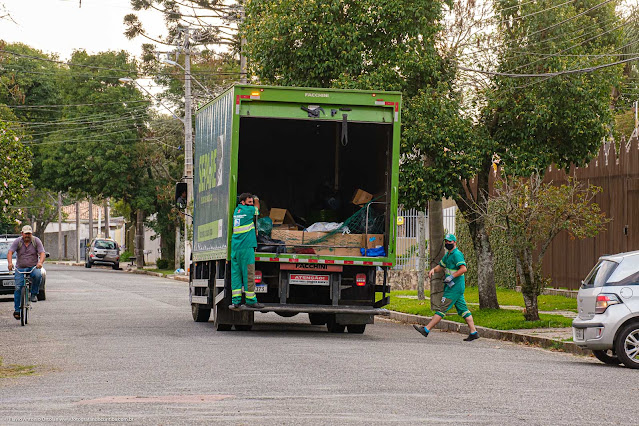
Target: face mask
449 246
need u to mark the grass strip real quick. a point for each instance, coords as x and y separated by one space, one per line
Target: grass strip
498 319
7 371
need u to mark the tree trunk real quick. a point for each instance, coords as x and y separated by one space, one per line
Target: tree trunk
471 206
107 219
421 245
91 220
139 239
177 246
436 251
529 284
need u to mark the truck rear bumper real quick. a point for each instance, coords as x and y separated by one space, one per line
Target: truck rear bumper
318 309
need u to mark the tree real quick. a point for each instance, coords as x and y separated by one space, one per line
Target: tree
40 208
14 171
529 123
94 149
532 214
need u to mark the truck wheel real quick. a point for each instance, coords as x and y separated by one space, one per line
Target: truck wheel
317 319
356 328
607 357
627 345
286 314
334 327
200 314
243 327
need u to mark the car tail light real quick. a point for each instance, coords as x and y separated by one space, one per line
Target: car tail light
360 280
605 300
258 277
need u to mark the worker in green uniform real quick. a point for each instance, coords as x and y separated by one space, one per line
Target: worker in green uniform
243 246
454 264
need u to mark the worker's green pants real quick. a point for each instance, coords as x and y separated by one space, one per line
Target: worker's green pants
243 274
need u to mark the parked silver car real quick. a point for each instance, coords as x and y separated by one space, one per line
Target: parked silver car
608 310
7 285
103 251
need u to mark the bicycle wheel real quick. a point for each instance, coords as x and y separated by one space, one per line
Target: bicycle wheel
23 305
28 299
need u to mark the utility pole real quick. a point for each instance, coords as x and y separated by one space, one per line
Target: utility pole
59 225
637 119
107 225
77 231
188 146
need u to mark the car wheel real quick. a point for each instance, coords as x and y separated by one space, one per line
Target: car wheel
116 266
87 265
607 357
627 345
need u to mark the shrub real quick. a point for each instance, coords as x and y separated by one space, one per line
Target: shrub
164 264
125 256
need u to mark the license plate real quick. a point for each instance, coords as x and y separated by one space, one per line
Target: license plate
261 288
8 283
309 279
579 333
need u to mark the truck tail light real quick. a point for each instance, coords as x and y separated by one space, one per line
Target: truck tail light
258 277
605 300
360 280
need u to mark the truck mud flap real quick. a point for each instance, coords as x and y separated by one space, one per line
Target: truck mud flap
318 309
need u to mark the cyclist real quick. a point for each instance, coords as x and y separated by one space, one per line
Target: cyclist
30 253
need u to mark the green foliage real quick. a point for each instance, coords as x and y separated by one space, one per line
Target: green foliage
15 166
101 156
369 44
562 120
499 319
125 256
162 264
504 260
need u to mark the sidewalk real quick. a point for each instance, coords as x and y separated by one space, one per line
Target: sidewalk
550 338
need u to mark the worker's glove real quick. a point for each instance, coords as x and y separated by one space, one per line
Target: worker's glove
449 281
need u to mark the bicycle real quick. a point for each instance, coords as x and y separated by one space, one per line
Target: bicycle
25 296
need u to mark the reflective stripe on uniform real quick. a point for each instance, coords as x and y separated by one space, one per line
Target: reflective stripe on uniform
243 229
249 294
236 292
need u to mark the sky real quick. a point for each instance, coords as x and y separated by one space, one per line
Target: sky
62 26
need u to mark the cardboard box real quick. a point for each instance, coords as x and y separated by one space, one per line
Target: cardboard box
330 251
290 237
285 227
281 216
374 240
361 197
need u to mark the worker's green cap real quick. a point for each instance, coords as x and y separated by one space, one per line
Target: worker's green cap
450 237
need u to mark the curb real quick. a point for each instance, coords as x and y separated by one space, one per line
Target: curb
57 262
158 274
490 333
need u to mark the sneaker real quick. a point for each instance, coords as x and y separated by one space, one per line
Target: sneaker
471 337
421 329
34 298
16 315
256 305
234 306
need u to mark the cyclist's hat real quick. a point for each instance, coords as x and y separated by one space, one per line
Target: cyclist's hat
27 229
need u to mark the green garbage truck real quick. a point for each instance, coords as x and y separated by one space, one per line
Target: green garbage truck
325 166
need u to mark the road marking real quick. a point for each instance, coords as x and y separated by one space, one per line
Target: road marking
125 399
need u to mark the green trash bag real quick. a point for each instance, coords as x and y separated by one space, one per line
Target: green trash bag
265 226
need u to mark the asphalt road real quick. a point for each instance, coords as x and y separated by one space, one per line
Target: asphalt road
112 346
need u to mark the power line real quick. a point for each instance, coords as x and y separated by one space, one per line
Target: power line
552 74
77 105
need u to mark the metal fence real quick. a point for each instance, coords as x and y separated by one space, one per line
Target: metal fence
408 238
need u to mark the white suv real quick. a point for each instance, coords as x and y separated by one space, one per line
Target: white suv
608 310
